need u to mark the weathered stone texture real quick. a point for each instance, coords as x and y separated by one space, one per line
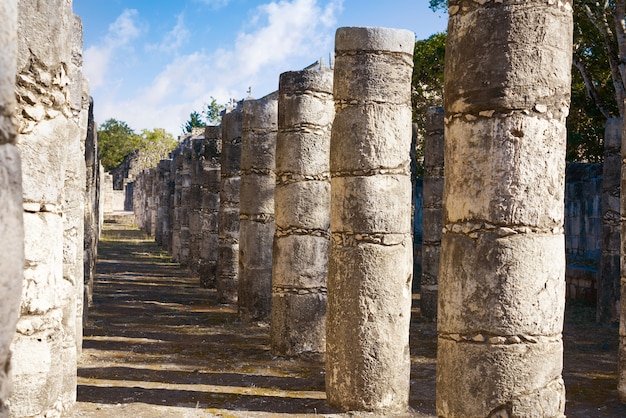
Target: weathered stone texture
302 203
608 302
227 277
205 231
370 261
11 209
501 282
621 377
52 117
256 225
432 211
92 209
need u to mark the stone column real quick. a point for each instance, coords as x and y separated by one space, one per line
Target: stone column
52 124
608 302
256 217
227 277
370 266
502 271
302 202
621 379
432 216
92 203
11 211
210 205
185 200
176 204
196 193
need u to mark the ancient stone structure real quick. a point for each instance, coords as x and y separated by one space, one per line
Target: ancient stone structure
52 116
432 211
11 223
205 197
256 217
621 377
607 307
370 261
227 277
583 229
162 227
302 202
501 279
92 209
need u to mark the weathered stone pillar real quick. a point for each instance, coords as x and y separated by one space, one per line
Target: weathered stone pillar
502 271
52 121
302 202
621 379
210 205
228 218
432 207
11 210
92 209
75 181
256 217
370 264
196 192
608 302
176 204
185 200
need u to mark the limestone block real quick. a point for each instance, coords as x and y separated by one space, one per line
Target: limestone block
356 203
300 261
229 224
493 81
11 231
520 194
381 348
308 159
516 380
230 190
260 188
305 332
521 290
386 149
304 205
44 287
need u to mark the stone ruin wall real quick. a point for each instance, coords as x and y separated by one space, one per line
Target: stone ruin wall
51 260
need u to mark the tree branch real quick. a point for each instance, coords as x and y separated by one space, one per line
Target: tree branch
591 90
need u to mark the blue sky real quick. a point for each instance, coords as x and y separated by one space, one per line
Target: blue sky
151 62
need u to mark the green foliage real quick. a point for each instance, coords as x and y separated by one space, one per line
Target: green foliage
426 87
210 115
212 112
438 4
154 146
594 101
115 141
195 121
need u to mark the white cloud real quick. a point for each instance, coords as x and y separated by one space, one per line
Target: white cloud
278 35
97 58
174 39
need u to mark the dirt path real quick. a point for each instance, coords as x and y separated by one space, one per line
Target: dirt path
158 345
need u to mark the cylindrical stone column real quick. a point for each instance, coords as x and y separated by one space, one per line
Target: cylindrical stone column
302 203
11 212
256 217
210 204
227 276
431 215
608 299
502 270
621 379
370 264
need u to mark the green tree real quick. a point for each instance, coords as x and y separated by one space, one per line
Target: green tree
426 87
115 141
154 145
212 112
195 121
